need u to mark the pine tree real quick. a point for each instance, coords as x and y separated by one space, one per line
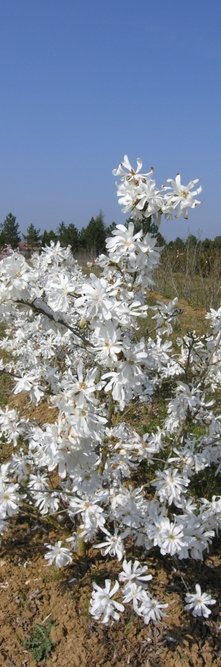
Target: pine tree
2 243
93 238
192 240
82 239
61 231
110 229
68 236
10 231
33 236
47 237
217 242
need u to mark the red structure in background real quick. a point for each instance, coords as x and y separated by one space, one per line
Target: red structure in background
27 249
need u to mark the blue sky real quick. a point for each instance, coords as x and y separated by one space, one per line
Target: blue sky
85 81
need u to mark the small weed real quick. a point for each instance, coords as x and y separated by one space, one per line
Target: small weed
40 643
86 606
3 400
129 622
56 575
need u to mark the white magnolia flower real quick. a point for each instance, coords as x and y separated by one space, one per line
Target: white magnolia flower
198 603
181 196
47 503
98 298
15 276
9 499
59 292
170 485
123 241
102 603
83 389
134 572
128 506
59 555
151 609
138 192
85 479
10 425
38 482
93 515
55 253
130 173
132 593
201 538
113 544
108 344
172 538
29 382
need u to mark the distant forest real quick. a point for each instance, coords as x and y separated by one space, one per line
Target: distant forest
91 240
88 240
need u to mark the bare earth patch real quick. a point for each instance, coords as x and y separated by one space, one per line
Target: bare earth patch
33 593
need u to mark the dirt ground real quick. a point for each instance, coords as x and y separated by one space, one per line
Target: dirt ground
33 593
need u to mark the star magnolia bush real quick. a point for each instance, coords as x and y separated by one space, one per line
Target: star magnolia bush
72 341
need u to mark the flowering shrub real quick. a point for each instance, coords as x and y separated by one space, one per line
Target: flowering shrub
74 342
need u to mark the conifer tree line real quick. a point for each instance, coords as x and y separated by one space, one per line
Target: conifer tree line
90 240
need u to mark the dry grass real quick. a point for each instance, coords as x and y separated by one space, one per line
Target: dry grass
190 276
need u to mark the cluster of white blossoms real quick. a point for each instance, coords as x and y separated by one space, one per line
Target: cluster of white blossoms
73 342
138 193
103 606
